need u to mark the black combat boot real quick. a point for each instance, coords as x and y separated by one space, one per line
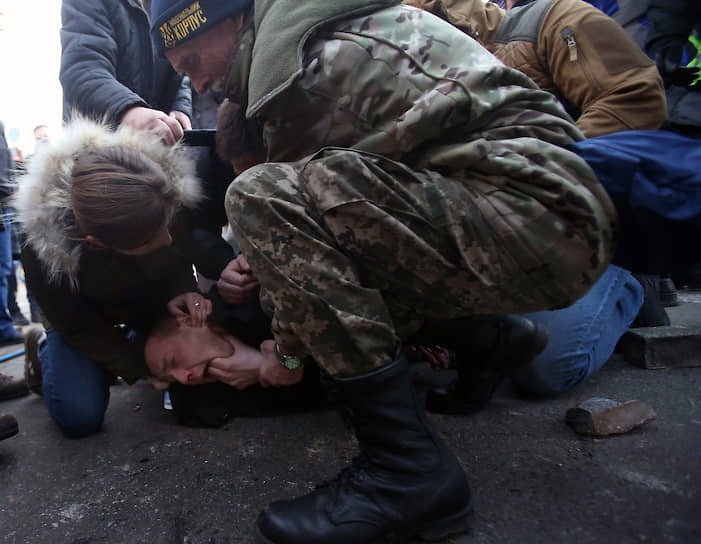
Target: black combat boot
652 312
405 483
669 296
487 348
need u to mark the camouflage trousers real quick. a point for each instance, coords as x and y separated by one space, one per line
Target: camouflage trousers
354 251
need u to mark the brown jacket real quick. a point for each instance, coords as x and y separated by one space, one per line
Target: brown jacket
572 50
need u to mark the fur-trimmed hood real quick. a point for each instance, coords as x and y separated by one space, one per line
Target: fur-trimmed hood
43 198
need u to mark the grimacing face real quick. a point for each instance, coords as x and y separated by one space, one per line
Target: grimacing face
177 352
206 58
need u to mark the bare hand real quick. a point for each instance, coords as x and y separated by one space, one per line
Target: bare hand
272 373
181 118
193 306
237 281
140 118
240 369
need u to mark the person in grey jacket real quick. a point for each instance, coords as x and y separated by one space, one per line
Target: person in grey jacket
109 69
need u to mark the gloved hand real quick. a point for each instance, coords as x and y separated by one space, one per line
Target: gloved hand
668 58
686 76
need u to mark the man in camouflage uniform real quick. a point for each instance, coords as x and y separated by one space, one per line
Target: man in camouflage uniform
409 175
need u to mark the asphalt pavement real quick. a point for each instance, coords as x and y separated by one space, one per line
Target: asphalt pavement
144 479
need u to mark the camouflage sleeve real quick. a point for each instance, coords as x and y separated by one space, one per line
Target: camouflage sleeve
385 84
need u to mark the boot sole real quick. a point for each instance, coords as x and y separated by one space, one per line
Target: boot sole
437 531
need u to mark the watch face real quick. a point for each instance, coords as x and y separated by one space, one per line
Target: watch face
290 363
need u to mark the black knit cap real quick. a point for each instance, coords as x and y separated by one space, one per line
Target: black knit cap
173 23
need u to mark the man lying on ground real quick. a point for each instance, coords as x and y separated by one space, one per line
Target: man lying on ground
212 369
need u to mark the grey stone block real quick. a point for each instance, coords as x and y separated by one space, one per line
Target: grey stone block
662 347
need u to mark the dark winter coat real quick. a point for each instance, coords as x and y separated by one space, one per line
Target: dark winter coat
108 64
94 297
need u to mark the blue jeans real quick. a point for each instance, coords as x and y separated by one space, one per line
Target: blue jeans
6 328
584 335
76 389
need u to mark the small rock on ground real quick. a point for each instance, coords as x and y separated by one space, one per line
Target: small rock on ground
603 417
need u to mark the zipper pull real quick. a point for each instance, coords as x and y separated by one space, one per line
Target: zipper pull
568 36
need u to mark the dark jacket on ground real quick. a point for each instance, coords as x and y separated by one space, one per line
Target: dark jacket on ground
94 297
108 64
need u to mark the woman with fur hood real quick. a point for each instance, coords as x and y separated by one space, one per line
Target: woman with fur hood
99 208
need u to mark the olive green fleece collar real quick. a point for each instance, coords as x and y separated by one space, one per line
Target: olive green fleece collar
282 27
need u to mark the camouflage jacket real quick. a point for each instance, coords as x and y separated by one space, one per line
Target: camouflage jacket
402 83
574 51
397 82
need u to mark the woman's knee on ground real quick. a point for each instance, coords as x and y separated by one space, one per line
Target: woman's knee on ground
78 417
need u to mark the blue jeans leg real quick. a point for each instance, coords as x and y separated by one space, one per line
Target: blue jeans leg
76 389
6 328
584 335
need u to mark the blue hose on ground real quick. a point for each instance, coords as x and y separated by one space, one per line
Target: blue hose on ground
12 355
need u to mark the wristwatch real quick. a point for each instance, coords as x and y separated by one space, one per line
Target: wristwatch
290 362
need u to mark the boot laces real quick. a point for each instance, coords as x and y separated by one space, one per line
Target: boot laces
352 475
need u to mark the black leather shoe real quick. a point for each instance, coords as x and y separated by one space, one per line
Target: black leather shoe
405 483
11 388
652 312
668 291
502 344
8 427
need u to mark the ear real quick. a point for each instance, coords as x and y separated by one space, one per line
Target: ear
90 239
